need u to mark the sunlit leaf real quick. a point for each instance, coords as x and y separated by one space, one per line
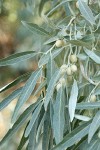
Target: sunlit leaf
16 58
73 137
33 119
86 12
9 98
94 126
26 92
73 100
51 87
21 120
15 82
93 56
45 57
58 117
35 28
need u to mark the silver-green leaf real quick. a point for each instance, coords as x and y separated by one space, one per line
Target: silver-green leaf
93 56
51 87
26 92
94 126
86 12
16 58
73 100
58 117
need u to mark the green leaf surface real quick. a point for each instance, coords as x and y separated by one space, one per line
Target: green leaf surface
22 141
33 119
73 137
93 56
9 98
80 43
41 5
26 92
21 120
15 82
50 68
94 126
88 105
35 28
45 57
58 117
16 58
32 136
46 131
73 100
86 12
41 86
51 87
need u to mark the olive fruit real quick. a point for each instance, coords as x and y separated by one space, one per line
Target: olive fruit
62 81
73 58
73 68
63 69
69 71
59 43
59 85
92 98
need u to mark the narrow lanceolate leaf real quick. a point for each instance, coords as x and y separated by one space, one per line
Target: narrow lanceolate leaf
93 56
81 117
86 12
41 5
41 86
16 58
21 120
94 126
35 28
51 87
79 43
26 92
73 100
46 131
33 119
15 82
23 140
45 57
88 105
71 138
58 117
50 68
32 137
9 98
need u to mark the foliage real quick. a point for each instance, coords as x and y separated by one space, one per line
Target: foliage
66 113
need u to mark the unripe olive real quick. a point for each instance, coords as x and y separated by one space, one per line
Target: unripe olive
77 5
69 71
62 81
59 43
74 68
73 58
59 85
92 98
63 69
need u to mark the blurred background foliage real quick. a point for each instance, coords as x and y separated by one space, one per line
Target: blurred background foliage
14 38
